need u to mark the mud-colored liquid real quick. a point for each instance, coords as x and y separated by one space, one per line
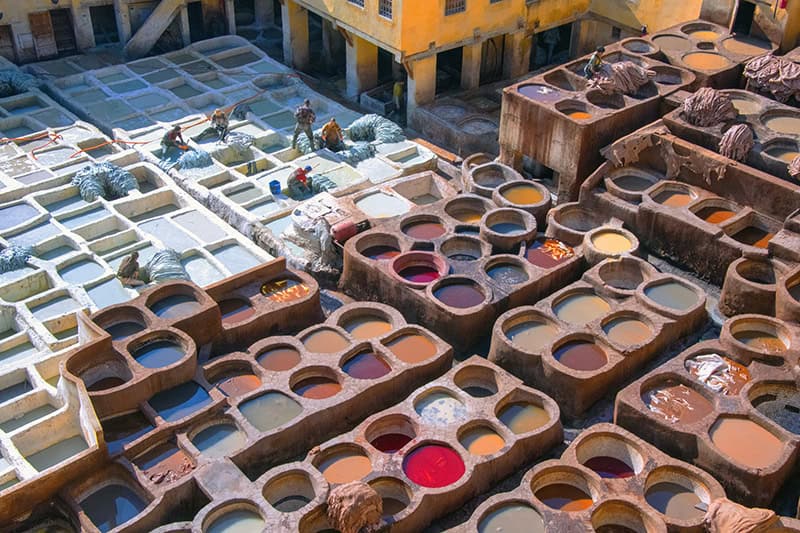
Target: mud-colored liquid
325 341
111 506
219 440
433 466
579 115
760 340
673 198
123 330
467 216
674 501
239 385
754 236
523 417
345 467
610 467
285 290
379 253
704 35
523 195
677 403
611 242
506 228
412 348
784 124
715 215
366 365
419 274
235 310
424 230
367 327
507 273
673 295
279 359
159 354
317 388
739 44
705 61
745 106
548 253
176 306
581 308
512 518
581 355
270 410
532 336
784 154
238 521
718 373
482 441
459 295
564 497
628 331
165 464
746 442
672 43
632 183
390 442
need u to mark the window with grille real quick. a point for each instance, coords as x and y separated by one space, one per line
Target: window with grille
385 8
359 3
454 6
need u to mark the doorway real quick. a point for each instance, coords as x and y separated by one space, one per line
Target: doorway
743 22
64 33
7 43
197 31
104 24
551 47
448 69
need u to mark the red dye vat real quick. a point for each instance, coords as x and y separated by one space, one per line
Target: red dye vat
390 442
419 274
366 365
609 467
548 253
433 466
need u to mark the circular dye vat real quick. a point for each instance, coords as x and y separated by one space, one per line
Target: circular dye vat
706 61
176 306
581 355
627 331
366 365
532 336
390 442
760 340
159 354
564 497
781 405
238 521
467 216
392 506
291 503
718 373
548 253
675 501
610 467
317 388
412 348
476 391
424 230
440 409
105 383
285 290
433 466
345 466
540 93
611 242
419 273
123 330
743 45
111 506
672 43
367 327
270 410
783 153
512 518
704 35
632 182
507 228
219 440
673 295
745 106
523 194
675 402
578 114
481 440
672 198
746 442
239 385
581 308
235 310
784 124
325 341
523 417
379 253
459 295
715 215
279 359
507 273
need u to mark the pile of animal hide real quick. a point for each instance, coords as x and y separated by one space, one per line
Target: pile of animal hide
775 75
624 77
737 142
708 107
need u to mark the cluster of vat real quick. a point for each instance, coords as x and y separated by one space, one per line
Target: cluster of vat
607 480
728 405
587 338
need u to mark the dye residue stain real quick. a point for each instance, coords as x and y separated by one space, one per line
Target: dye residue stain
366 365
238 385
112 506
367 327
674 501
424 230
317 388
627 331
482 440
433 466
673 295
238 521
523 417
440 409
379 253
610 467
459 295
746 442
512 518
285 290
159 354
581 355
279 359
611 242
581 308
219 440
675 402
507 273
523 194
165 463
270 410
345 466
325 341
564 497
548 253
235 310
760 340
412 348
718 373
176 306
390 442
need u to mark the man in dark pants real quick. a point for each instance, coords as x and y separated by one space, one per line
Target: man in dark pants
305 117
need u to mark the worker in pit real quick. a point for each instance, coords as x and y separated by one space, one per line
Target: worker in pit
299 183
305 117
128 271
332 136
595 63
173 139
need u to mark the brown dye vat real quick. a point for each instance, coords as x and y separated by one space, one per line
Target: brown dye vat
673 43
784 154
564 497
367 327
673 295
165 463
745 106
532 336
746 442
739 44
754 236
523 194
239 385
235 310
674 501
345 467
760 340
482 441
548 253
581 308
673 198
424 230
627 331
325 341
715 215
581 355
579 115
459 295
784 124
412 348
677 403
512 518
317 388
285 290
705 61
718 373
704 35
279 359
610 467
523 417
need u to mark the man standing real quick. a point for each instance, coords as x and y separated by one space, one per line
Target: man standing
595 63
305 117
332 136
219 121
397 97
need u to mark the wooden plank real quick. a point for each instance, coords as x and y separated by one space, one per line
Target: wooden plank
44 41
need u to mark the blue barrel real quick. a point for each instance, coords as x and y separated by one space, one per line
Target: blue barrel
275 187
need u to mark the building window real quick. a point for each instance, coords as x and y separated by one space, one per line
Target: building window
359 3
616 33
385 8
454 6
